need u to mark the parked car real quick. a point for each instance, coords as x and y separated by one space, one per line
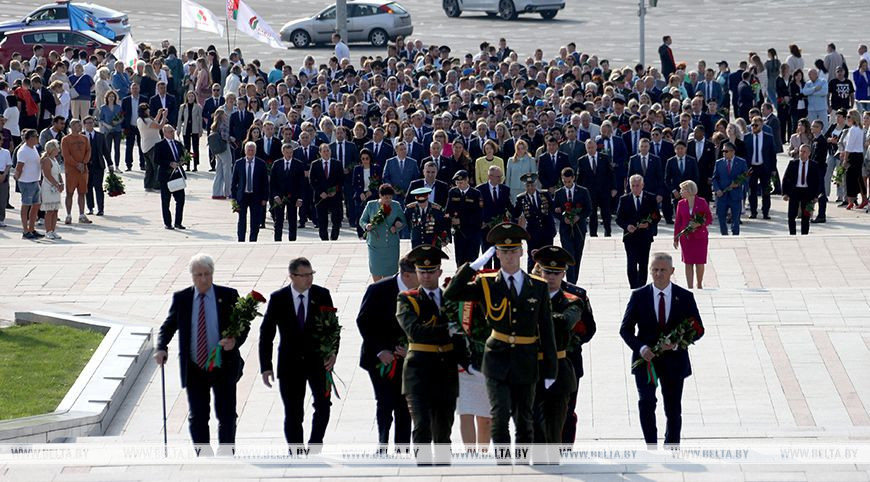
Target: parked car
55 14
51 38
505 9
367 21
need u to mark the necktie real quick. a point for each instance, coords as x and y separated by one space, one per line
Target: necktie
607 145
594 163
643 164
287 163
637 203
513 287
401 165
433 298
570 195
249 185
728 164
172 148
803 173
757 149
682 166
267 145
658 149
494 194
662 319
326 168
300 312
340 153
201 335
377 149
709 90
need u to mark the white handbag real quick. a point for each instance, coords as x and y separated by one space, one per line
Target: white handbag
179 183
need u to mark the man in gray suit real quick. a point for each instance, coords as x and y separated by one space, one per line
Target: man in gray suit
100 158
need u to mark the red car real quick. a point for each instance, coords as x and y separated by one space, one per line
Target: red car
51 38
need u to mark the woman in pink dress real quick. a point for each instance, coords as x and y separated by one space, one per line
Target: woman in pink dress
693 244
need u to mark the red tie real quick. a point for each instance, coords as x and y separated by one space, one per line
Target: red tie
803 173
729 167
662 318
201 335
326 169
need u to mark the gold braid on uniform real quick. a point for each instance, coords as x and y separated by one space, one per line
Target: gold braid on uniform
501 309
432 321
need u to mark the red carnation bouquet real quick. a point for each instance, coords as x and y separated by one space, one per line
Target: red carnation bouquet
244 311
682 335
380 217
571 215
654 216
699 219
808 208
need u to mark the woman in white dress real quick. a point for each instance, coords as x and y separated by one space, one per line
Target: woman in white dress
51 187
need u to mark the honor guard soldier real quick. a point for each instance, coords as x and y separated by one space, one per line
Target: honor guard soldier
464 207
426 220
582 333
430 380
534 209
518 311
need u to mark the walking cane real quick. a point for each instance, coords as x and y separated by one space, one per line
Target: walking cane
163 392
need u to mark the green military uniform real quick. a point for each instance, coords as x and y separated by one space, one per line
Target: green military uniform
521 326
430 379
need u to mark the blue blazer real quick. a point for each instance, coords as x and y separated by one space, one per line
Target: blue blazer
400 179
673 176
716 91
261 180
385 153
666 150
550 168
768 150
358 184
721 178
209 108
654 179
640 327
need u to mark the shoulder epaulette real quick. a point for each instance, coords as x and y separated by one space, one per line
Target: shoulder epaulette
487 275
534 276
570 297
411 292
436 206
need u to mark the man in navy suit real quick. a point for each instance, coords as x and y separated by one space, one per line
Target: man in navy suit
679 168
634 135
709 88
445 166
659 147
400 171
700 148
295 311
306 153
551 164
653 311
800 185
596 175
208 109
439 188
650 168
346 153
572 234
573 148
422 132
638 216
729 192
168 155
164 100
200 314
612 146
130 113
381 149
761 156
240 121
268 146
327 181
250 188
496 198
286 186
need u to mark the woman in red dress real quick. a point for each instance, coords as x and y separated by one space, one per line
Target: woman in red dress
690 231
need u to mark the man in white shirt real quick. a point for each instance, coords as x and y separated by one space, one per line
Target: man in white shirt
341 49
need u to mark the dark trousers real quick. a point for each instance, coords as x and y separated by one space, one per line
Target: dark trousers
466 243
569 429
350 204
199 384
278 215
823 199
723 205
536 242
165 195
191 144
759 180
672 395
133 140
602 203
307 211
329 209
292 387
637 258
511 400
113 139
667 209
433 421
796 205
95 189
151 179
391 405
248 203
573 240
549 413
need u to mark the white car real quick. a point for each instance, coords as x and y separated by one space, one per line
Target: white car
506 9
55 14
374 21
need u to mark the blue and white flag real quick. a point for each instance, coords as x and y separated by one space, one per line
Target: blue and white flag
80 19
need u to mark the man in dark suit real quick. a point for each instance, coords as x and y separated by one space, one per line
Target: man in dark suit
819 155
208 109
659 147
268 146
250 188
632 138
705 155
551 164
666 55
638 216
572 147
572 228
653 311
800 187
438 196
596 175
286 186
445 166
650 168
327 181
497 206
200 314
464 209
163 100
534 209
100 157
381 149
130 112
240 121
168 155
347 155
306 153
297 312
382 352
612 146
678 169
761 157
745 96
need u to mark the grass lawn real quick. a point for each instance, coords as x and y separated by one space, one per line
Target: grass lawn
38 364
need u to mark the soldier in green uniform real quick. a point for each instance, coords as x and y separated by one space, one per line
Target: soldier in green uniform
430 380
426 220
518 311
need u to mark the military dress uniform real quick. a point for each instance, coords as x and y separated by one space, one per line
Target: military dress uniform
426 220
466 208
582 333
537 209
522 326
430 379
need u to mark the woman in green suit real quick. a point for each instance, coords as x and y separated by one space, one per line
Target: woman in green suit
382 235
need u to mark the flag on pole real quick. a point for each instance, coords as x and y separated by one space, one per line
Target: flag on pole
232 9
195 16
81 19
249 23
126 51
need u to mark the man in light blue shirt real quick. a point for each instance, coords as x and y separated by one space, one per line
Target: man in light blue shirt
816 90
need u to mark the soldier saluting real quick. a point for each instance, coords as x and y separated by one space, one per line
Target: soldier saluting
430 380
517 309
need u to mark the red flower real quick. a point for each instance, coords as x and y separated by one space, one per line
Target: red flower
328 309
697 327
257 296
388 208
446 281
580 328
567 205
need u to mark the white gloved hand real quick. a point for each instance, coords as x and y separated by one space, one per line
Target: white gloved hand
478 263
548 382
